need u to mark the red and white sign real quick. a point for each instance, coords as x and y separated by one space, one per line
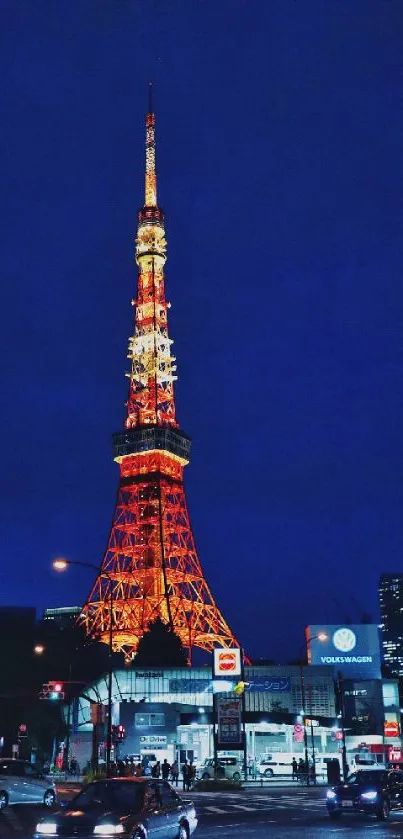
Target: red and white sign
338 735
227 662
298 732
394 754
391 729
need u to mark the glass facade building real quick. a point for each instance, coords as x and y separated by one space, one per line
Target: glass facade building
391 626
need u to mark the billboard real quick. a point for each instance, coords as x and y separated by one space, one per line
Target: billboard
229 728
363 707
352 650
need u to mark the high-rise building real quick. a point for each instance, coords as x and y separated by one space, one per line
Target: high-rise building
391 608
151 568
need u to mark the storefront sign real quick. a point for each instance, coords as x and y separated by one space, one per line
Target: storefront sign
190 685
149 674
394 754
155 740
267 685
229 718
227 662
391 729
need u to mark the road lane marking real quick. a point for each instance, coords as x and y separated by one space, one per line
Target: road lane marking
244 807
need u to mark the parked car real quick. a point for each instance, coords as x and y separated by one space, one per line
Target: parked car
223 767
370 791
22 783
124 807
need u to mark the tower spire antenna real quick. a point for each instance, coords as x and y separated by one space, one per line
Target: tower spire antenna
150 199
150 97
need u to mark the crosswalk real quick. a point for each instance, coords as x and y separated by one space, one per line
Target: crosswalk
256 803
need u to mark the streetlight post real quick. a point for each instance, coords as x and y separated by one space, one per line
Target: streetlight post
61 565
321 636
341 717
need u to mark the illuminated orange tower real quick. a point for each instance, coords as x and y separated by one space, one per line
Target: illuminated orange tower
151 560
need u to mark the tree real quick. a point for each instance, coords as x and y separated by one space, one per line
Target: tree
160 647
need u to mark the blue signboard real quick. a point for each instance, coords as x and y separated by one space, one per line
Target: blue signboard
352 650
265 684
190 685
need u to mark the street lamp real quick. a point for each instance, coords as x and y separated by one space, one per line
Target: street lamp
61 565
321 636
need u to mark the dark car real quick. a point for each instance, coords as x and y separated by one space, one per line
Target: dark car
139 808
368 791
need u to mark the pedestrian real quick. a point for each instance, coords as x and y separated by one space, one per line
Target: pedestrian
138 770
301 769
185 774
192 774
294 769
175 772
165 769
156 770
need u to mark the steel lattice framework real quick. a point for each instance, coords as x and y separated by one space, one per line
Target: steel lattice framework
151 561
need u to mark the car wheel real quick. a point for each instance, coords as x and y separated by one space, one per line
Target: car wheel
334 815
49 799
183 833
268 773
3 800
138 835
236 776
205 777
384 810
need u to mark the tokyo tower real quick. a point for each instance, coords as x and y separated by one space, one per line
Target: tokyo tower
151 561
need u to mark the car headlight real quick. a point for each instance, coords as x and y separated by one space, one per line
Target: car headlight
331 795
47 828
108 829
369 796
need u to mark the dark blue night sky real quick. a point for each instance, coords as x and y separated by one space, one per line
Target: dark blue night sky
279 131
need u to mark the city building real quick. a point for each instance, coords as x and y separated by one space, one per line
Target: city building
391 626
367 704
62 616
169 712
17 619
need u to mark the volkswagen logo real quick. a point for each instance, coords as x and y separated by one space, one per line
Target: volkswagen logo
344 639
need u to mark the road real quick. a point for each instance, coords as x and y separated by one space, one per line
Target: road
278 812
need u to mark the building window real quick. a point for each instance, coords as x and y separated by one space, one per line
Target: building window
147 720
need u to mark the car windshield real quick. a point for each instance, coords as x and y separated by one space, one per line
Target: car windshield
371 776
115 795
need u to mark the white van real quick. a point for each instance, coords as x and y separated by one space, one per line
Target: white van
275 764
